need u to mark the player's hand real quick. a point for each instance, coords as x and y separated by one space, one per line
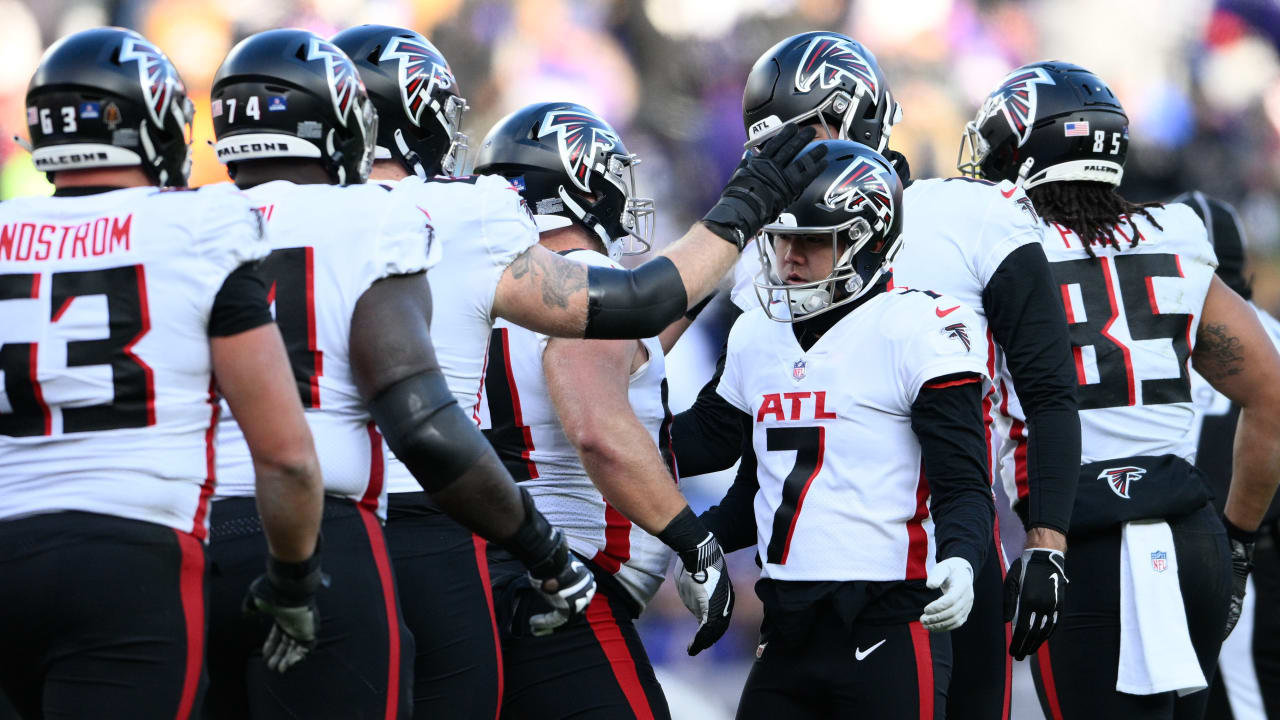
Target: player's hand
566 584
955 577
287 593
1033 594
765 183
1241 564
702 580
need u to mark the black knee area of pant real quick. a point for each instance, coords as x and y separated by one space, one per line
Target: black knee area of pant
635 303
426 429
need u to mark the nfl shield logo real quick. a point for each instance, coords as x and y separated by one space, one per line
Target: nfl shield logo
797 370
1159 561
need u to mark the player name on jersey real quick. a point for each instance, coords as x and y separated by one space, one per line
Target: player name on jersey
22 241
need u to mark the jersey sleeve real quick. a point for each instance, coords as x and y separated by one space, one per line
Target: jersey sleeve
506 225
730 386
1010 221
232 231
406 241
948 340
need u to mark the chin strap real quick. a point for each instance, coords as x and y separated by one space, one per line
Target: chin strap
411 160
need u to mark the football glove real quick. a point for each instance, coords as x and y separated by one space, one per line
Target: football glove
1241 542
574 588
764 184
955 577
287 594
1034 590
702 580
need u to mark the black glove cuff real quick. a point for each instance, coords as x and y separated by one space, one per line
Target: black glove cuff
536 544
295 582
1245 536
684 533
729 233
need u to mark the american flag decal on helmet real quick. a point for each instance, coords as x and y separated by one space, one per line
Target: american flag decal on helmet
863 184
1120 478
579 136
1016 99
155 74
828 59
421 69
344 80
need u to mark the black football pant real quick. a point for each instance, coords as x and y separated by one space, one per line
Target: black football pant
363 658
592 668
1075 672
982 678
890 672
1247 686
447 602
101 617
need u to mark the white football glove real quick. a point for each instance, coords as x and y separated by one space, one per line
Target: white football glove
955 577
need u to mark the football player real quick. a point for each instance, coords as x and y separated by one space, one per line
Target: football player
346 275
1247 686
584 426
119 302
493 267
865 488
978 243
1142 303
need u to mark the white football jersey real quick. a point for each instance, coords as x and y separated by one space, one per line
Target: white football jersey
106 400
523 427
1133 315
483 225
842 490
329 244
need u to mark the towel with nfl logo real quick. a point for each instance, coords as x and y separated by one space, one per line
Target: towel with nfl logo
1156 654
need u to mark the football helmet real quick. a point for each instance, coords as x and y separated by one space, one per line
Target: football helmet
107 97
821 77
571 167
1047 122
292 94
857 203
416 95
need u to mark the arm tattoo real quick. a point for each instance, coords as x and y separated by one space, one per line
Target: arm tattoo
557 278
1218 355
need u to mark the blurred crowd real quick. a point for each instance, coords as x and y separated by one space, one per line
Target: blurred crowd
1200 81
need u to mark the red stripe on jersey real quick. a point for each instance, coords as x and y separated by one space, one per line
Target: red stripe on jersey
920 643
1190 316
1017 435
62 309
917 538
128 349
1151 295
817 468
191 590
482 567
515 407
484 373
609 635
1115 313
951 383
210 462
378 545
1066 304
33 367
987 420
1046 679
373 491
617 541
314 380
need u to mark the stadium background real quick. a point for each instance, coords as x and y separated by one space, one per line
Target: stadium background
1200 81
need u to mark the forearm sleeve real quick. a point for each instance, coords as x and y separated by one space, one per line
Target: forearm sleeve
733 520
1027 319
635 303
947 422
426 429
708 436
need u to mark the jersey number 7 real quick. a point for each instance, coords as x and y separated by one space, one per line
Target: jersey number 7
809 444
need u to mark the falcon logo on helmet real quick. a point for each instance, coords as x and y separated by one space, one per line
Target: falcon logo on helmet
1120 478
422 69
579 137
1016 98
344 81
828 59
863 184
155 74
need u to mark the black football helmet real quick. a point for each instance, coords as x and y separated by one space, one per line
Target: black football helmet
1047 122
857 202
571 167
416 95
822 77
292 94
107 97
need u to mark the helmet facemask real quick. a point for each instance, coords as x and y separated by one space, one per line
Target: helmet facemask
623 222
838 106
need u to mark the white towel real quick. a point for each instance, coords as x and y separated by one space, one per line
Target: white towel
1156 654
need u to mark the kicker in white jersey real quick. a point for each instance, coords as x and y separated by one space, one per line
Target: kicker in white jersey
107 404
329 244
842 494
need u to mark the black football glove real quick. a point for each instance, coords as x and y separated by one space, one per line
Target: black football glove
545 553
702 580
1033 593
764 184
1241 563
287 594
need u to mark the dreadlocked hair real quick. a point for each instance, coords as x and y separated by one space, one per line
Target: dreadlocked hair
1092 210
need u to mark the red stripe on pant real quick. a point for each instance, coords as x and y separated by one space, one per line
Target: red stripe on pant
1046 679
609 635
379 546
191 588
482 565
920 643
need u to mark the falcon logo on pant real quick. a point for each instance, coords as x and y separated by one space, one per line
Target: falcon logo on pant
1120 478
